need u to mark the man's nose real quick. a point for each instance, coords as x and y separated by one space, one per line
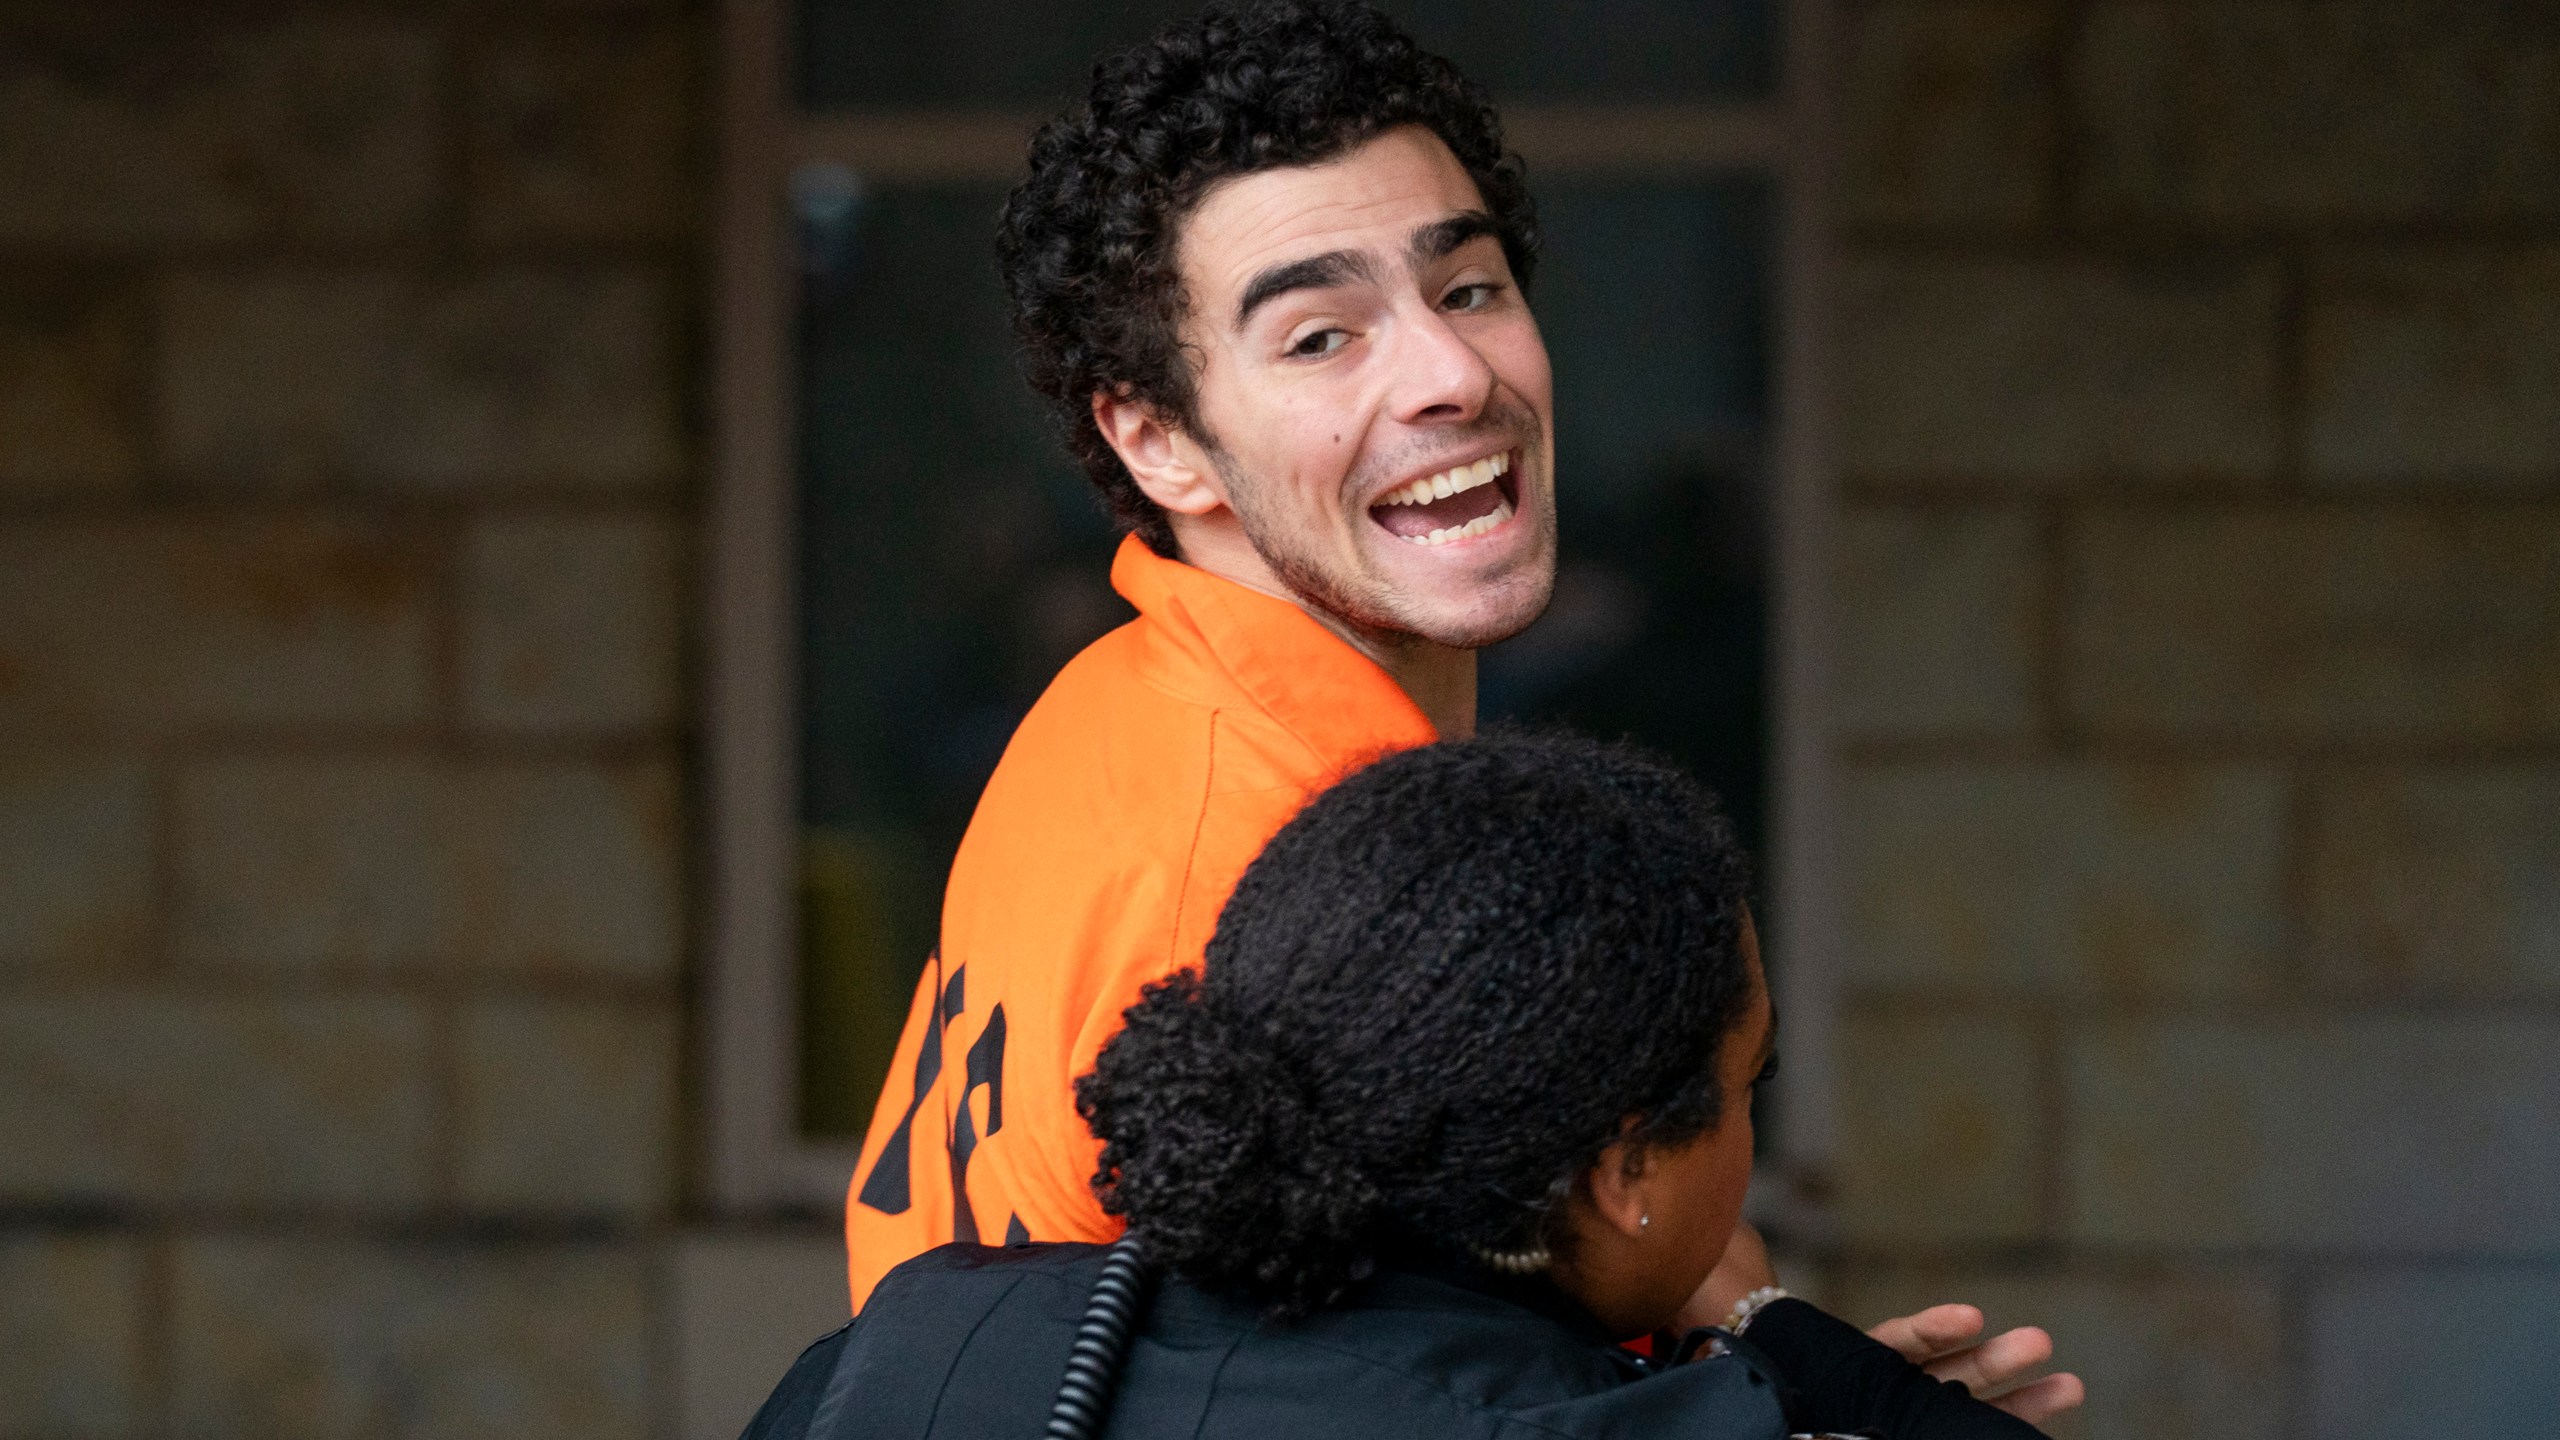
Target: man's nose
1439 377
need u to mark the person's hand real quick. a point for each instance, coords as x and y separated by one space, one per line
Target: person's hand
1943 1341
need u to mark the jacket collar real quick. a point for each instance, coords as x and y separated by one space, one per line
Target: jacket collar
1535 1293
1207 634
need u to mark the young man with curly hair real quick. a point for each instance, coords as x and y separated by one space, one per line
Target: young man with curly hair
1270 279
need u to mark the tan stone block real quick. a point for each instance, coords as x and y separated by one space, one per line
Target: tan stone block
2194 1353
1941 1129
179 1098
143 125
2436 881
513 379
1951 114
570 623
75 864
2058 374
285 1338
2418 1134
70 1336
567 1106
1938 621
2435 370
2393 624
398 862
152 626
2064 880
70 388
2246 116
2466 1350
746 1304
582 134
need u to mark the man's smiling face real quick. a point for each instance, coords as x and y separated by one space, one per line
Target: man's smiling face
1375 412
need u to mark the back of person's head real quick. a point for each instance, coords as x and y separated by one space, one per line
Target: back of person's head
1436 997
1088 241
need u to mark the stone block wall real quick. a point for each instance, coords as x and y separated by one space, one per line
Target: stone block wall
349 458
2199 587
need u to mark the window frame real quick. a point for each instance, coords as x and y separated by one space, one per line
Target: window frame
753 1161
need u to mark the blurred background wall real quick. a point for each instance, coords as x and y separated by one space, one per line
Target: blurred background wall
2200 575
348 456
2199 710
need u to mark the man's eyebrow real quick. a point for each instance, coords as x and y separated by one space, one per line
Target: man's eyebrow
1437 239
1315 272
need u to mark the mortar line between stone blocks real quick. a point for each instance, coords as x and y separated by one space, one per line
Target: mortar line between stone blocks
2052 580
1941 1002
147 284
661 1334
2293 967
449 222
444 1094
2416 495
201 500
165 764
426 258
2123 238
415 980
446 609
2202 748
2118 1262
155 1333
615 748
2070 22
2292 377
2053 1177
2294 1284
689 1141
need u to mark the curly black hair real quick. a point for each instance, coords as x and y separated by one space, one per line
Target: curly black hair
1087 242
1434 999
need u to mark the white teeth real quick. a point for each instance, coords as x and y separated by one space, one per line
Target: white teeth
1452 481
1472 528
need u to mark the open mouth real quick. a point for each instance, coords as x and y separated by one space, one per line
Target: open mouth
1459 503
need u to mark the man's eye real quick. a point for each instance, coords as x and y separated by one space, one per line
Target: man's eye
1321 342
1767 1073
1471 297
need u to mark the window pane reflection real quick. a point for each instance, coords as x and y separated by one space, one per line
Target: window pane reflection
1653 299
951 561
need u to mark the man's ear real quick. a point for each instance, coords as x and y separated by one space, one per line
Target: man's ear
1616 1185
1167 464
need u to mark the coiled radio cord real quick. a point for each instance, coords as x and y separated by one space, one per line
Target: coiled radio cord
1102 1344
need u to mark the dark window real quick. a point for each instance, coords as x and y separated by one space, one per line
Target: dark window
1002 54
951 558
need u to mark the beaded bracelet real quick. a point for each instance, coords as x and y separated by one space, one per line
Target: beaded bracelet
1749 1307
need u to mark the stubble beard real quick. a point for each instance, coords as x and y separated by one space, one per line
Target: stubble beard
1364 602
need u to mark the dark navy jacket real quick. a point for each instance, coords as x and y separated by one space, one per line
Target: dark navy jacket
968 1341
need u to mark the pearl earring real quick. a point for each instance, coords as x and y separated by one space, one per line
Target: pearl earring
1644 1220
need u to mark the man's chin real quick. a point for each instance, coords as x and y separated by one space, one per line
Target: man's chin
1466 613
1487 616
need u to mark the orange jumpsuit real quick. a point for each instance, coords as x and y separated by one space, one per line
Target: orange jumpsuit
1126 807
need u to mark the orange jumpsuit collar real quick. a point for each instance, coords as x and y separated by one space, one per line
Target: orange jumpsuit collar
1310 680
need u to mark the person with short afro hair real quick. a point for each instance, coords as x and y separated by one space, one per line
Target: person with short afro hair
1460 1100
1439 994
